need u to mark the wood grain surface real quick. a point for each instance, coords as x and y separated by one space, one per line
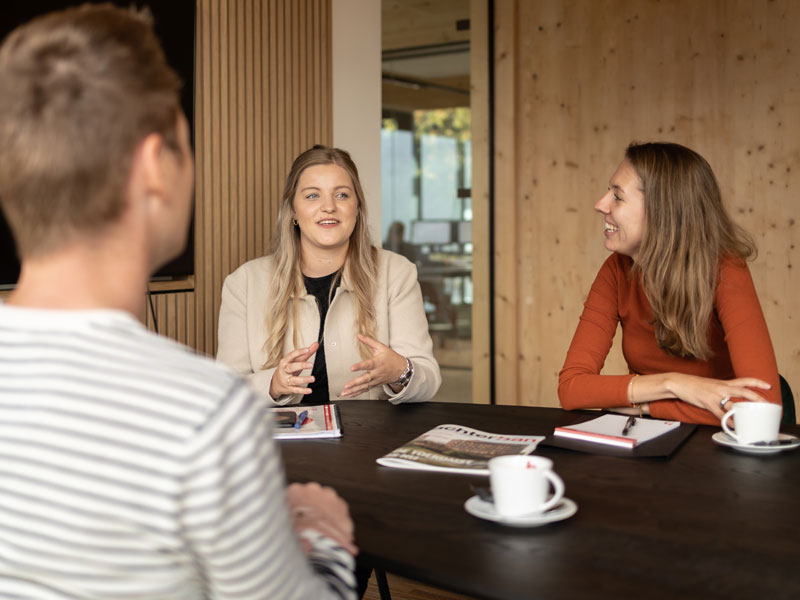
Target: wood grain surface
707 523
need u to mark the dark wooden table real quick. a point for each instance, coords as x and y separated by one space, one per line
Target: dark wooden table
706 523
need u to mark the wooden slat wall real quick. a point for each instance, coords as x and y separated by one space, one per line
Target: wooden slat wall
263 95
588 77
479 105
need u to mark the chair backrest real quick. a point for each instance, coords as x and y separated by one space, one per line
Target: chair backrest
787 398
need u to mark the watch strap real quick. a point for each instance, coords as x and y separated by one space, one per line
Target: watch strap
405 376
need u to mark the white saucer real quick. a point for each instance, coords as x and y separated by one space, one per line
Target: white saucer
723 439
485 510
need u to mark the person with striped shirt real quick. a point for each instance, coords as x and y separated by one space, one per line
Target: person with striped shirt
129 466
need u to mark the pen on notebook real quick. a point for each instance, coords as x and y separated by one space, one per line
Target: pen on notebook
301 418
628 424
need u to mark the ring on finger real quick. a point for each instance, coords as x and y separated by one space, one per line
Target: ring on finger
724 401
369 376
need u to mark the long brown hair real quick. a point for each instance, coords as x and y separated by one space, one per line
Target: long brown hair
687 234
359 270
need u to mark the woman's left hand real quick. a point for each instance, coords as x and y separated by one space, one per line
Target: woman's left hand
384 366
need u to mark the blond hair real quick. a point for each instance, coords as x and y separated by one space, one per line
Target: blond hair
359 270
79 89
687 235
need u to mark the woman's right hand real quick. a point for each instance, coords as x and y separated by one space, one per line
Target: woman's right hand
286 380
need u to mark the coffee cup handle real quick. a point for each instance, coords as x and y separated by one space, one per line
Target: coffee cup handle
558 491
724 424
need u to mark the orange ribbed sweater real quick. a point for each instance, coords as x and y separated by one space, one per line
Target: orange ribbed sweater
738 337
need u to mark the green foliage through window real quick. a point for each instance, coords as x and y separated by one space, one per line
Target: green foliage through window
447 122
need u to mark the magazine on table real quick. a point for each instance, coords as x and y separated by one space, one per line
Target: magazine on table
617 430
307 422
457 449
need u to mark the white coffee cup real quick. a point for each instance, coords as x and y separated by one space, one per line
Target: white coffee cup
520 485
754 422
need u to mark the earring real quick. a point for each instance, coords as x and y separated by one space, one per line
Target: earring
294 222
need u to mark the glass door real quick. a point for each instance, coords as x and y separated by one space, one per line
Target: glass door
426 171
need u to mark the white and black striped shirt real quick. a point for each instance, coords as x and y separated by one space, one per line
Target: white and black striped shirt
131 468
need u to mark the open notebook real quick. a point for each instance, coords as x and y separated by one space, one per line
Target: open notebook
608 429
317 422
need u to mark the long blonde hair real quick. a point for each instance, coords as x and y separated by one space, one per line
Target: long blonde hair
687 235
359 270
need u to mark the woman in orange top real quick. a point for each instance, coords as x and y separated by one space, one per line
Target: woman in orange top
693 333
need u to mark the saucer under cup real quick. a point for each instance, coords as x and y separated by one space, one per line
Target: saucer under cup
486 510
789 442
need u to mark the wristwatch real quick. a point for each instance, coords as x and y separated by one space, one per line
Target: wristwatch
405 377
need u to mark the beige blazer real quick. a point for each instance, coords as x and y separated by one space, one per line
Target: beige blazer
401 325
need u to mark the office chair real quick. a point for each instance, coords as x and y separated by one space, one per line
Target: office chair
787 399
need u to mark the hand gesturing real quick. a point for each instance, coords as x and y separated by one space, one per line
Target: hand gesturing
286 380
384 366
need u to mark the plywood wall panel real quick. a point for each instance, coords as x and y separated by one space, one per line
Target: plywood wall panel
720 76
507 257
262 94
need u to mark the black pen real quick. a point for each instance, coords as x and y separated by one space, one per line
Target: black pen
628 424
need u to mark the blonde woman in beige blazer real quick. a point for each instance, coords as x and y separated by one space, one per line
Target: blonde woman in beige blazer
374 343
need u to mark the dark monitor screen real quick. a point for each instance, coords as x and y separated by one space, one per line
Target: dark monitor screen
174 22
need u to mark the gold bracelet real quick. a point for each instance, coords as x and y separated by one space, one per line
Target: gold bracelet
630 390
